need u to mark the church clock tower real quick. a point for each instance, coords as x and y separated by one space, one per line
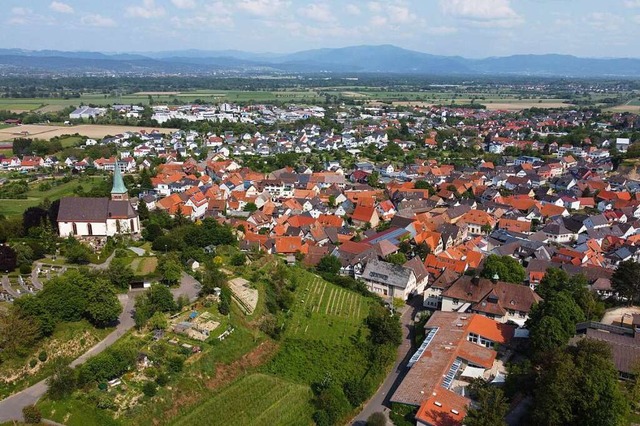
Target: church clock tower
119 191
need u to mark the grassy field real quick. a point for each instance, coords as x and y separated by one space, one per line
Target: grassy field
143 266
35 196
75 412
256 399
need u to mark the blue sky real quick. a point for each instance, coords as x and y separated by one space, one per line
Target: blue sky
471 28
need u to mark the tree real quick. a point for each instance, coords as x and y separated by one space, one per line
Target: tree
505 267
77 253
158 321
383 328
170 269
18 332
329 264
373 179
120 273
8 258
160 298
250 207
31 414
552 322
377 419
626 280
103 307
396 258
149 389
62 381
491 410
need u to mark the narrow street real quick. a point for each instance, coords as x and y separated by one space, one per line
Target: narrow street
380 401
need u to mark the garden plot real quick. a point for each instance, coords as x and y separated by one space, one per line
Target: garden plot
246 296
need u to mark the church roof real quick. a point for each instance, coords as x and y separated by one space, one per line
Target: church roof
73 209
118 183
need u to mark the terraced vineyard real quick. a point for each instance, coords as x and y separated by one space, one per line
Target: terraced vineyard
324 311
257 400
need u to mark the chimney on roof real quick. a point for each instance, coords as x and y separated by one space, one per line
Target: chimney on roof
475 280
495 278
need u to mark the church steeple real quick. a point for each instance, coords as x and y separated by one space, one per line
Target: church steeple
119 191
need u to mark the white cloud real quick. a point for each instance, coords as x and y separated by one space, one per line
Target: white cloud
378 21
632 4
317 12
214 15
604 21
352 9
485 13
637 19
441 30
147 10
184 4
262 8
375 6
60 7
96 20
400 14
24 16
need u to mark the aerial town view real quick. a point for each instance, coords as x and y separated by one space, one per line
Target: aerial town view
320 212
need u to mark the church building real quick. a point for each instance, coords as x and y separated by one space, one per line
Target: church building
100 217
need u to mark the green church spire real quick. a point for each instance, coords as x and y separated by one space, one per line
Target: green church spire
118 183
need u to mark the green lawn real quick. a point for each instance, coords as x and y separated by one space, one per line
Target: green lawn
16 207
256 399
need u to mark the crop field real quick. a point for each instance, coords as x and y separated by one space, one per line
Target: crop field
324 311
40 131
257 399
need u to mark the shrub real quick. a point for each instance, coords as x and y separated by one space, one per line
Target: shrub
149 389
162 379
33 362
377 419
31 414
25 269
175 364
42 356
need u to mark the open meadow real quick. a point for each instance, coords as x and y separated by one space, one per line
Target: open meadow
40 131
15 207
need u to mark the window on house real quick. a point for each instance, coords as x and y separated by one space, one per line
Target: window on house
456 301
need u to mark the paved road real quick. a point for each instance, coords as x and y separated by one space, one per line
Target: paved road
103 266
189 286
7 286
11 407
380 401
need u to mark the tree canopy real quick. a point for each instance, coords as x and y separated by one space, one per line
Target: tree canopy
505 267
626 280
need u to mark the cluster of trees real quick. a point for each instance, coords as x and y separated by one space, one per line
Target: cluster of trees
569 385
73 296
158 298
329 268
27 146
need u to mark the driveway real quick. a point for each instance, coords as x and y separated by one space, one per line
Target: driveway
6 285
11 407
189 287
380 401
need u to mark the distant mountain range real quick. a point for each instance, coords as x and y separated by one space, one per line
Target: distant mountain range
356 59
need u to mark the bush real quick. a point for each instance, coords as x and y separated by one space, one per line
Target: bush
25 269
31 414
42 356
149 389
33 362
377 419
162 379
175 364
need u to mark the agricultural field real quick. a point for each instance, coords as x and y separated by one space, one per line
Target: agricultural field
95 131
324 311
15 207
257 400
